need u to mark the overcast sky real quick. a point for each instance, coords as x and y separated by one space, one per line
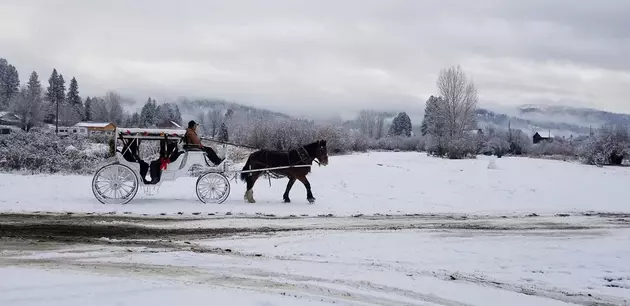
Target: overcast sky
316 57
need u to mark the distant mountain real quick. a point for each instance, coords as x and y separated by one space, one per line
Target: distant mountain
502 121
191 109
583 116
530 118
559 120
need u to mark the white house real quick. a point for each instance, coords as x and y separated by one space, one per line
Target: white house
93 128
87 129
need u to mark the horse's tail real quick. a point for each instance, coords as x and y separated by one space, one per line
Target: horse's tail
245 175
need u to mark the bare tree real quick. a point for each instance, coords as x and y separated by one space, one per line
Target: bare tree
215 118
460 97
450 119
114 108
367 122
380 125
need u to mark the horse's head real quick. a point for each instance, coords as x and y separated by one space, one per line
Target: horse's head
321 153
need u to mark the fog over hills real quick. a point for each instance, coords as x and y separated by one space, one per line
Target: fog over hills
557 119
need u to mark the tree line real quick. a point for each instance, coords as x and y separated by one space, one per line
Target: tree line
449 127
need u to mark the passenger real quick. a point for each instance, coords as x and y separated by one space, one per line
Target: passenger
191 138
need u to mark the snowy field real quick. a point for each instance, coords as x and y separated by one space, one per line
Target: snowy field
385 183
386 229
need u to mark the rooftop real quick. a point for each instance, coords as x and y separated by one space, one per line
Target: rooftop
545 134
92 124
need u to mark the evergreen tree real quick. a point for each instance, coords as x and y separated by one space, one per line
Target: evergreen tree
12 83
54 97
87 112
434 125
135 120
401 125
61 89
148 114
9 83
51 91
74 101
223 133
4 65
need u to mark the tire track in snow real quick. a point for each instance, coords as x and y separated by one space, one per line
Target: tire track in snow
297 286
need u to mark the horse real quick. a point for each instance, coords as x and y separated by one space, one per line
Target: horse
304 155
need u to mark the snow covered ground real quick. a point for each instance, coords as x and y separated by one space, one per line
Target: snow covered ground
384 182
387 229
540 266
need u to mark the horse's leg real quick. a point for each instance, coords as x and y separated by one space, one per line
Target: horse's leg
307 185
286 192
251 180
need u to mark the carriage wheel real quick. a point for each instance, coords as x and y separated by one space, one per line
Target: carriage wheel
115 184
213 188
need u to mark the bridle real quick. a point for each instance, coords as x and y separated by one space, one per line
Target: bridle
319 154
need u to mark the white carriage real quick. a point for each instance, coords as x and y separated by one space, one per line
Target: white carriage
118 182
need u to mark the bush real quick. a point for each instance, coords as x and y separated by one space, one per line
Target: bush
398 143
610 146
556 147
39 152
462 147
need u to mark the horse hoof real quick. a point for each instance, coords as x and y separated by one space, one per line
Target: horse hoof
311 200
287 201
249 196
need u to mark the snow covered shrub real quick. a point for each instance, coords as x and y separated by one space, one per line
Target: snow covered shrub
461 147
99 138
399 143
48 153
556 147
611 145
519 142
495 145
337 139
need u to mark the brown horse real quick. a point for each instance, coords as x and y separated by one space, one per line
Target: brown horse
304 155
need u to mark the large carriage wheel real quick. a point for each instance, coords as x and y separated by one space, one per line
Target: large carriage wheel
213 188
115 184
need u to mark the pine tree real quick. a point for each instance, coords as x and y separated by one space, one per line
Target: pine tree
52 95
61 89
12 83
434 125
87 112
148 114
135 120
4 65
223 133
9 83
74 101
51 91
401 125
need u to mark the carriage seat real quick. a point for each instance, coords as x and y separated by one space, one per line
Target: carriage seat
191 147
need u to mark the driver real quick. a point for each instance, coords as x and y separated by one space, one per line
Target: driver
191 138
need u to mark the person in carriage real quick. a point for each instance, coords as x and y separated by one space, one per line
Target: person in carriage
191 140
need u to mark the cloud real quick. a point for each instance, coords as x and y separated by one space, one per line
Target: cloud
327 57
